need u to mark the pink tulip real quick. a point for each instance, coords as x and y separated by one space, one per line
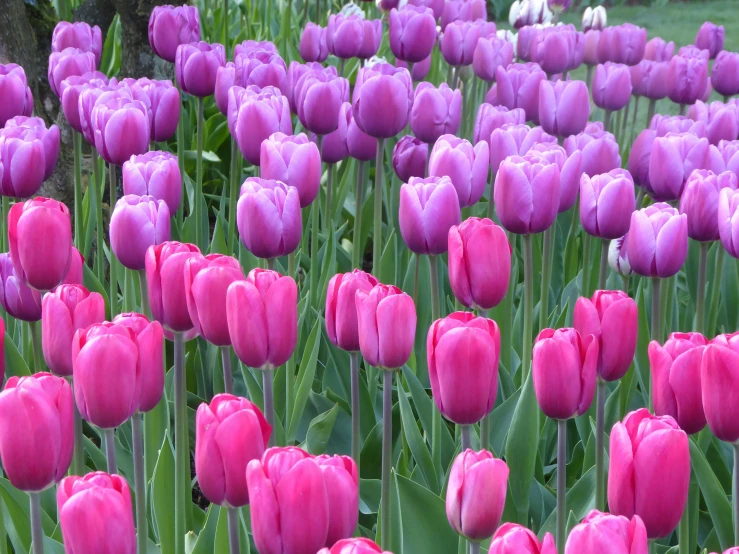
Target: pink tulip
36 426
17 298
229 433
467 167
570 170
68 62
341 478
564 107
657 241
658 50
606 203
359 545
170 26
295 161
463 352
410 157
700 201
341 312
137 223
511 538
710 37
196 65
515 140
518 87
476 494
15 95
612 86
412 33
428 209
435 112
75 273
313 43
718 378
92 510
601 532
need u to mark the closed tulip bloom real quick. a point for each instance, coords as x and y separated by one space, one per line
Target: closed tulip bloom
691 51
264 297
467 167
196 65
75 274
225 79
15 95
269 218
623 43
710 37
360 145
360 545
700 201
730 153
526 194
551 49
386 318
341 312
490 54
155 174
460 38
435 112
639 156
68 62
17 298
248 46
137 223
77 35
371 38
428 209
563 107
687 79
170 26
40 238
658 50
594 18
721 120
724 75
476 494
462 10
409 158
341 478
261 68
69 94
64 311
658 241
382 101
654 83
479 263
515 140
606 203
207 279
318 98
294 160
601 532
489 118
591 39
718 377
165 107
344 35
294 72
564 369
664 124
728 220
570 170
313 43
229 433
412 33
618 258
649 472
600 152
463 353
334 147
511 538
437 6
518 87
611 86
36 427
120 125
88 98
29 152
420 69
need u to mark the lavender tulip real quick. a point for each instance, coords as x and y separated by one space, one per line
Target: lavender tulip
412 33
658 50
428 209
710 37
611 86
15 95
196 65
564 107
657 241
687 79
120 126
68 62
170 26
467 167
600 153
721 120
28 153
491 117
515 140
518 87
570 170
382 101
606 203
318 98
81 36
724 75
410 157
137 223
295 161
155 174
700 201
435 111
622 44
490 54
313 43
460 39
462 10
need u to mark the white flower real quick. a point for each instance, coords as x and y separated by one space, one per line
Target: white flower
374 60
617 258
594 18
352 9
514 12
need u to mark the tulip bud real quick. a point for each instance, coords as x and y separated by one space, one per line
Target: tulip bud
137 223
428 209
69 94
165 107
15 95
359 545
724 75
64 311
518 87
623 43
36 427
229 433
341 478
511 538
515 140
94 508
551 48
463 352
490 54
649 471
295 161
606 203
526 194
75 273
155 174
68 62
17 298
334 146
460 38
120 126
81 36
318 98
462 10
600 151
170 26
717 379
313 43
467 167
352 36
564 107
412 33
687 79
658 50
710 37
360 145
410 157
29 153
196 65
657 241
435 112
490 118
341 312
388 97
420 69
700 201
570 170
594 18
612 86
727 222
598 532
260 68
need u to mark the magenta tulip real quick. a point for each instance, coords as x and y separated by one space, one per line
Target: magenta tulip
341 477
137 223
359 545
515 140
410 157
68 62
412 33
165 107
170 26
511 538
724 75
28 154
710 37
435 112
295 161
718 377
313 43
341 312
428 209
606 203
196 65
564 107
15 95
17 298
657 241
624 43
383 96
700 202
601 532
658 50
518 87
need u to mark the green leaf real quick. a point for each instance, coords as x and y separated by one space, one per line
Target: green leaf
580 500
714 496
162 493
93 285
207 536
14 362
19 524
304 381
319 430
416 443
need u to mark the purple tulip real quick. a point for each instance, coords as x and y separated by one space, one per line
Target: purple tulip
664 124
527 36
295 161
592 38
428 209
353 36
120 126
260 68
410 157
196 66
137 223
87 99
313 43
154 174
69 93
700 200
360 145
268 217
710 37
612 86
295 71
724 75
460 39
466 166
253 115
170 26
68 62
318 98
551 48
687 79
462 10
651 79
599 149
728 222
624 43
83 37
436 111
249 46
526 194
606 203
334 148
491 117
570 170
658 50
730 153
15 95
721 120
564 107
691 51
518 87
165 107
490 54
420 69
383 97
515 140
17 299
437 6
412 33
28 154
657 241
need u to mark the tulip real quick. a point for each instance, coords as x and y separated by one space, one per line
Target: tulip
658 241
87 99
137 223
591 40
359 545
412 33
462 10
526 36
700 201
229 433
165 107
724 75
564 107
388 96
334 146
612 86
225 79
419 71
435 112
658 50
410 157
69 94
341 313
654 82
730 153
15 95
606 203
467 167
36 426
437 6
529 12
248 46
428 209
489 118
551 48
570 170
665 124
29 152
262 69
68 62
649 471
94 508
600 532
710 37
352 36
476 494
600 152
691 51
618 259
318 98
717 376
687 79
269 218
490 54
518 87
728 221
154 174
196 65
721 120
341 477
120 126
371 38
594 18
295 161
75 273
624 43
526 194
460 38
17 298
515 140
64 311
360 145
78 35
511 538
386 323
170 26
313 43
463 352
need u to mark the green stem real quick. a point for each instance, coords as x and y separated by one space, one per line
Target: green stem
144 286
600 433
435 314
78 459
653 546
315 266
603 273
328 216
181 157
683 531
199 239
269 402
225 25
633 118
607 121
656 331
546 277
6 211
474 547
466 434
182 448
142 525
78 233
624 120
358 204
683 109
716 290
233 200
589 78
37 530
586 246
650 112
356 434
387 448
233 530
700 300
228 380
38 357
528 301
340 71
735 491
377 228
625 283
113 295
561 484
110 457
97 206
